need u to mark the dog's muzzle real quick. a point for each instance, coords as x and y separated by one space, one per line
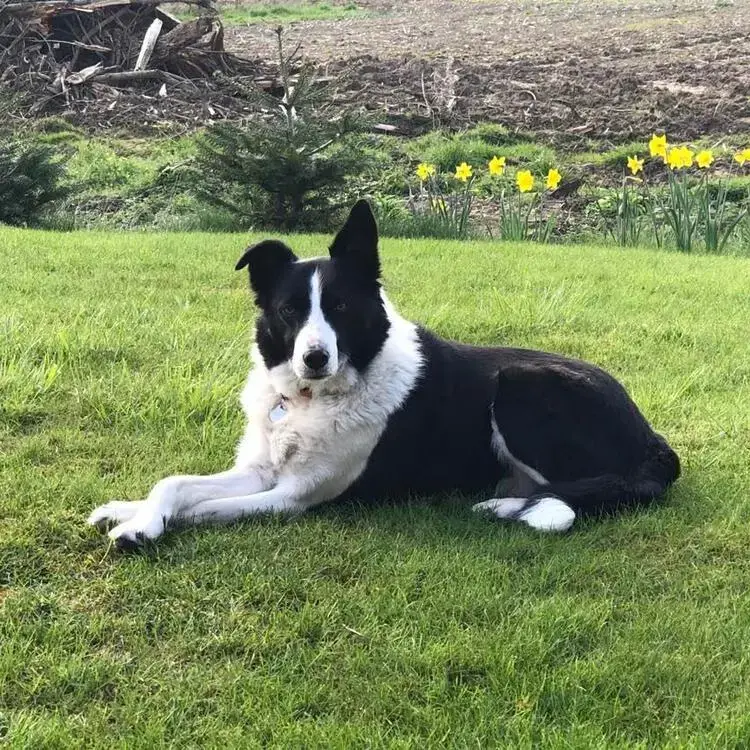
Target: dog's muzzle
316 363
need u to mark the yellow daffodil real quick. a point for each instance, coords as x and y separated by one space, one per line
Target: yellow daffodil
425 170
657 146
553 179
742 156
680 157
463 171
525 180
704 159
673 158
497 165
635 164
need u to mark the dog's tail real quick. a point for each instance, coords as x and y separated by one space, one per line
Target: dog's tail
554 506
609 493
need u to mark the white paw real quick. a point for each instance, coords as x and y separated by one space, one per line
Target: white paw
544 514
143 527
114 512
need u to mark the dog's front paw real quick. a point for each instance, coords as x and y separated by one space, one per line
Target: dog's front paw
137 531
113 513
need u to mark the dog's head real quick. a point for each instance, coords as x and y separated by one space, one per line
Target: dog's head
321 320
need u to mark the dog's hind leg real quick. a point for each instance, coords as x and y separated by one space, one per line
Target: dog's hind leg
575 431
519 498
514 493
543 513
555 505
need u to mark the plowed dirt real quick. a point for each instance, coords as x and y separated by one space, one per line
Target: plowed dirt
567 70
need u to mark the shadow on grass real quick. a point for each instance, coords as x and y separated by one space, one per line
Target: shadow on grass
443 522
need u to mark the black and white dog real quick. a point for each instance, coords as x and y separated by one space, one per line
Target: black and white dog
348 398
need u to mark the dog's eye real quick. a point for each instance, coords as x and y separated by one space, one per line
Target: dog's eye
287 311
340 307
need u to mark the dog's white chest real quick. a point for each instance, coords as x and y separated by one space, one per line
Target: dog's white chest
321 432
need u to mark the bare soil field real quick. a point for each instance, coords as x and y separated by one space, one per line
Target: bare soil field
567 70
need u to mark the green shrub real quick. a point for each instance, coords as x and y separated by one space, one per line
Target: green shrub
287 181
30 181
290 166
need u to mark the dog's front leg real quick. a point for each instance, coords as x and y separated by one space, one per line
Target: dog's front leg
292 495
171 498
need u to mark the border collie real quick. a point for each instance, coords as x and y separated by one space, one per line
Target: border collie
348 398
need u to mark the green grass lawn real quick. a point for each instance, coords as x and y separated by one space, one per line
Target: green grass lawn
417 625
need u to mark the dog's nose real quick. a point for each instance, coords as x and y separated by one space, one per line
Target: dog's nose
315 359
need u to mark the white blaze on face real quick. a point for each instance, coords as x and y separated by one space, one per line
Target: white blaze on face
316 333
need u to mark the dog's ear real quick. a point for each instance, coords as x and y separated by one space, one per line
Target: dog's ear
265 261
356 244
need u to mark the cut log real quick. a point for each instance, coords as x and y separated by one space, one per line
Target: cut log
184 35
126 77
149 42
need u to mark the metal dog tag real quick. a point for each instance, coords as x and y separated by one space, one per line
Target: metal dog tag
278 412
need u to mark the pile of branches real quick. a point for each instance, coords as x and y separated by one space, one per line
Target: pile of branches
117 60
